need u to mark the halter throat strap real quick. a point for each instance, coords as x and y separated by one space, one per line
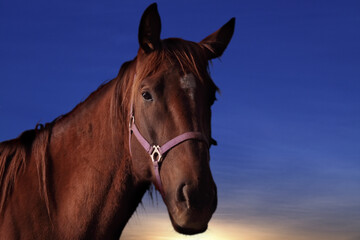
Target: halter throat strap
157 152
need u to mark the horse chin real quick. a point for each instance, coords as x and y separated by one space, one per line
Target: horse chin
189 231
187 224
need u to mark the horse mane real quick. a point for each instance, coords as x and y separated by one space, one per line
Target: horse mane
14 155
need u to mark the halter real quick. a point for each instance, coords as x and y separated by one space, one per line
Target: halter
157 152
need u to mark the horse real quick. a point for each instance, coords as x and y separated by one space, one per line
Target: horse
83 175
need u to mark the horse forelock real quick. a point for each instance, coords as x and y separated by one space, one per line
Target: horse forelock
189 57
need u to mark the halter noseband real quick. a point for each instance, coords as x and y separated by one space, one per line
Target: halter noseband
157 152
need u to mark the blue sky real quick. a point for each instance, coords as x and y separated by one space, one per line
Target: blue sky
287 120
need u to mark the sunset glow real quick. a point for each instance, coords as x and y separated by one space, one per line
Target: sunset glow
153 223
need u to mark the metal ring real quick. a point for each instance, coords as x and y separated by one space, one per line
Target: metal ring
155 154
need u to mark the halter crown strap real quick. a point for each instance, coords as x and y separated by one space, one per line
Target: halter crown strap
156 152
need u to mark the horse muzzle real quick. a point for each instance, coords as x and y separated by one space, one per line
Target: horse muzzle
193 208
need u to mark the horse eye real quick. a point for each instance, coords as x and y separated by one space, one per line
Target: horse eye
147 96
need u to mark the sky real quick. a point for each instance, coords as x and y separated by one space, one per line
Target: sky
287 120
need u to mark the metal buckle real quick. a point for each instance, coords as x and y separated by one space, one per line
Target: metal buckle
155 154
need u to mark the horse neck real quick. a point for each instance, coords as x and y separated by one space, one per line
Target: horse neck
94 191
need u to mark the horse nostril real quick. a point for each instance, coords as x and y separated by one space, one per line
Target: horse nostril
186 195
180 197
190 197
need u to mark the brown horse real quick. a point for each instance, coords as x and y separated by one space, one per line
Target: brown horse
83 175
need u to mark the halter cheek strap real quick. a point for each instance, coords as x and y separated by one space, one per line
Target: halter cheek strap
156 152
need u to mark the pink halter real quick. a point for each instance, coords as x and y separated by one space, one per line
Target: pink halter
156 152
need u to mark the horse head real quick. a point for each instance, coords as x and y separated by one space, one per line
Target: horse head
171 98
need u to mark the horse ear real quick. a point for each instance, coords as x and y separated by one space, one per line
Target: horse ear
149 29
216 43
